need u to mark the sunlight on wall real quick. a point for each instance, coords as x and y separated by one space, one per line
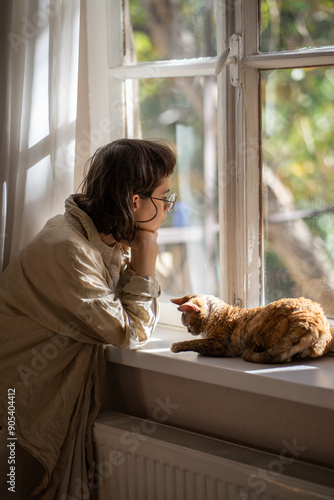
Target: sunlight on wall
38 181
39 111
37 194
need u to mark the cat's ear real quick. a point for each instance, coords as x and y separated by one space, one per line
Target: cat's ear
185 306
181 300
188 307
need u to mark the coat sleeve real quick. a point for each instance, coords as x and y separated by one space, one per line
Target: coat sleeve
73 294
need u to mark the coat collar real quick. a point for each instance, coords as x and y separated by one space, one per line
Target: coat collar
72 209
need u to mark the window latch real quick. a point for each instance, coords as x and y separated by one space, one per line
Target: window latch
232 57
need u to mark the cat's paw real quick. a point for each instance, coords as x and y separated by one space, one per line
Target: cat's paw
177 347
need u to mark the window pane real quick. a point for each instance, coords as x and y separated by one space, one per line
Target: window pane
173 29
184 110
298 179
296 24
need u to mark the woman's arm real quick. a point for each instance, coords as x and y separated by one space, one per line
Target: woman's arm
144 252
65 286
124 316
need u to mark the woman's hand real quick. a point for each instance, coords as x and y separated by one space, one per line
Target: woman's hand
144 252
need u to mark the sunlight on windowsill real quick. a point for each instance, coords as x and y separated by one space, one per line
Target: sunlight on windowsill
283 369
308 382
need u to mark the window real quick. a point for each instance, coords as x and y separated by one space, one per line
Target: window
255 166
298 153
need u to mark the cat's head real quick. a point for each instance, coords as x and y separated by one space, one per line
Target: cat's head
194 310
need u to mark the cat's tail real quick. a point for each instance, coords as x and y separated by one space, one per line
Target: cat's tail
304 341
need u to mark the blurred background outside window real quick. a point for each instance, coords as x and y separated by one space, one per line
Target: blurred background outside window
296 116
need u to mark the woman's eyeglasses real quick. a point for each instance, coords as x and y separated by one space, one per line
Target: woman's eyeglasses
169 199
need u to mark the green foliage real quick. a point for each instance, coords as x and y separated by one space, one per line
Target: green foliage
298 119
138 13
194 22
292 24
144 49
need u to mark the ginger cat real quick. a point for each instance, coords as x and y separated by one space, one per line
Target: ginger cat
277 333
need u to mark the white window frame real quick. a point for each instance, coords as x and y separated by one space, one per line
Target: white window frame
239 123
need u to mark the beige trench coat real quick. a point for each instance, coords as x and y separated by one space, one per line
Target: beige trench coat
61 302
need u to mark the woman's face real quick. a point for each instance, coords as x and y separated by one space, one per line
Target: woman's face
146 209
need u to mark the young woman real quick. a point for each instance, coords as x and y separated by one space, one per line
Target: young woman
86 280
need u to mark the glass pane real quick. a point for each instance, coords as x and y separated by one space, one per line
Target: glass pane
184 110
296 24
298 178
173 29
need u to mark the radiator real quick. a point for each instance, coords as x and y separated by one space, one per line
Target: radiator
139 459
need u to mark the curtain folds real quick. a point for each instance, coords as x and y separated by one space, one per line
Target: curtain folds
39 51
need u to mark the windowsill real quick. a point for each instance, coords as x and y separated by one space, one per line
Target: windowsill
309 381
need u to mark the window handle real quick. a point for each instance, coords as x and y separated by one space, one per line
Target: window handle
231 56
223 59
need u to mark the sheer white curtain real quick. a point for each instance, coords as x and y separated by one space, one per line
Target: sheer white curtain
38 90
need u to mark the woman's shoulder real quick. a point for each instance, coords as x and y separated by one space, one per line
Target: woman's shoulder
59 239
58 231
59 252
74 226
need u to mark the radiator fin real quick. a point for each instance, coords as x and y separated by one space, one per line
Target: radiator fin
164 463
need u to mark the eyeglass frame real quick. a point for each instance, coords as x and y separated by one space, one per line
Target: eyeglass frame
174 195
170 198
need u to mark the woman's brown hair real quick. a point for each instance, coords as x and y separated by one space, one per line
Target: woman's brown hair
116 172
